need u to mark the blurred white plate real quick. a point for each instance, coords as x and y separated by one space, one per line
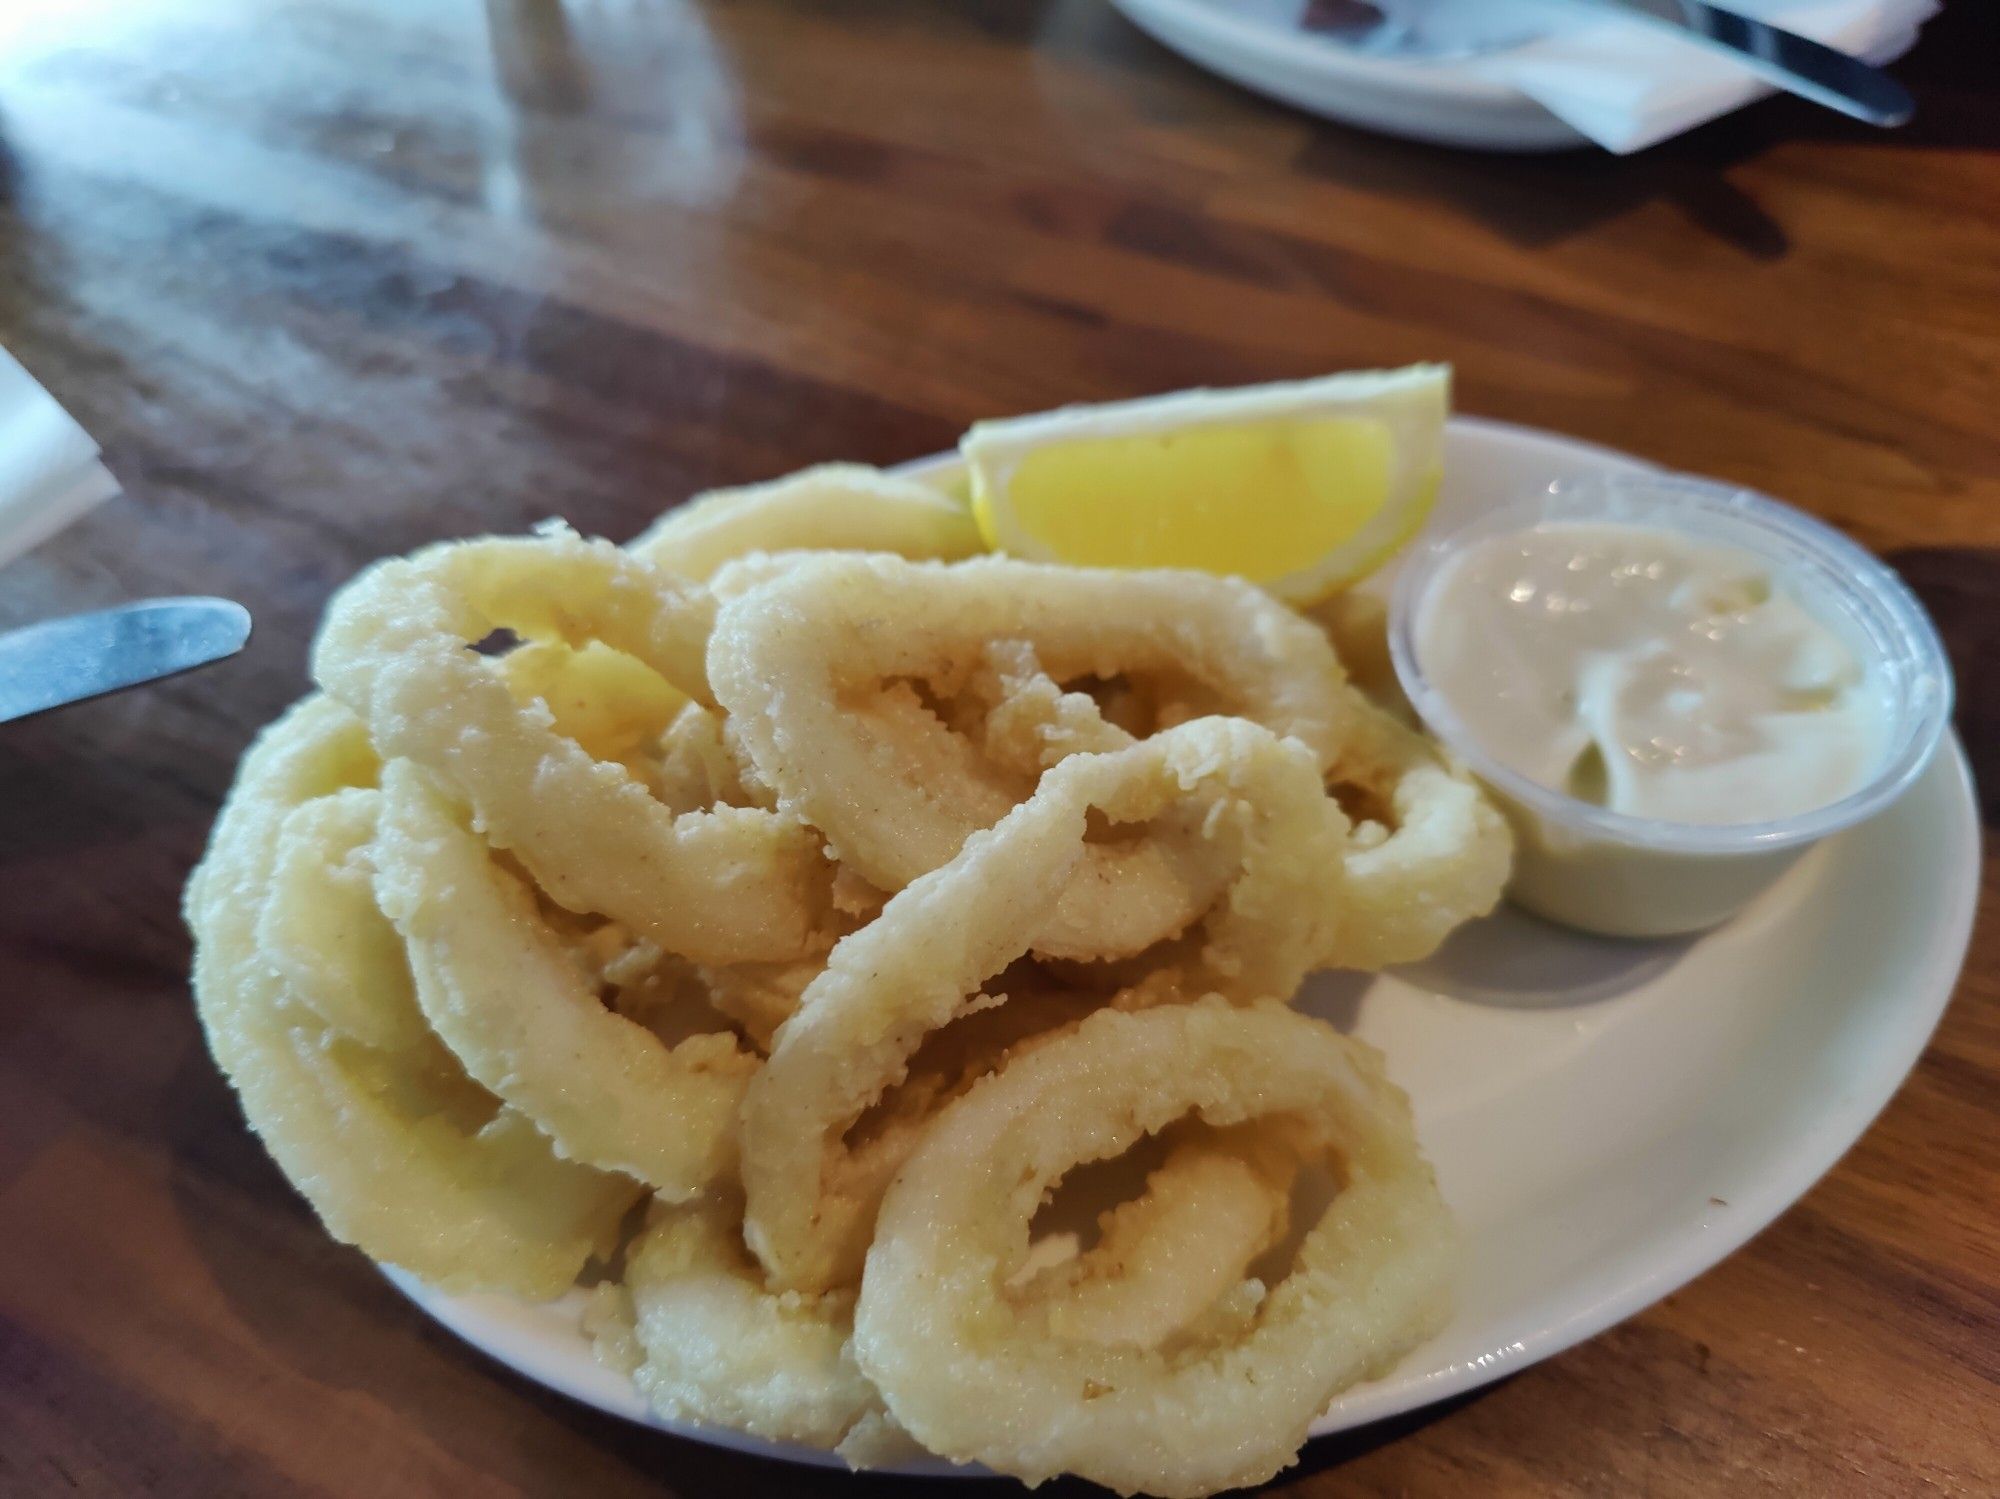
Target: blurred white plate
1608 1119
1441 100
1505 75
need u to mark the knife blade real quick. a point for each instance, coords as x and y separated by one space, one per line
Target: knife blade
61 661
1798 64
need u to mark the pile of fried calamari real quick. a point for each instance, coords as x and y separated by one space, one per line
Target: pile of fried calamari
787 921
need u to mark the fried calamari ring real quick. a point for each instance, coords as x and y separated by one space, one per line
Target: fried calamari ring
1164 1259
1430 851
923 961
661 993
615 707
993 1026
977 1378
759 997
397 1150
696 1331
716 1347
523 1015
836 507
1021 717
1356 622
321 929
695 767
723 885
699 1330
800 661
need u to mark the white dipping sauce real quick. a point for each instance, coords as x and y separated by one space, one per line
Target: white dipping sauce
1650 673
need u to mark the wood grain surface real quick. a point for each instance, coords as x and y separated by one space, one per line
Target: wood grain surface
334 278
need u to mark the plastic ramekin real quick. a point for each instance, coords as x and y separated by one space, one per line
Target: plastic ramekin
1585 866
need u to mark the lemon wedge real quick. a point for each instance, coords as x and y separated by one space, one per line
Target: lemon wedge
1302 487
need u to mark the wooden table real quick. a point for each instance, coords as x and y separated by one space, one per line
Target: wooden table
333 279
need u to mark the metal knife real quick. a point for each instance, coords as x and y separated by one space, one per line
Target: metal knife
62 661
1807 68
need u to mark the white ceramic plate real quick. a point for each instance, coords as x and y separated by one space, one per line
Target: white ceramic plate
1478 70
1446 102
1608 1119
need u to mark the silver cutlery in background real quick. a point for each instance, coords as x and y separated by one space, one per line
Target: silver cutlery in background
60 661
1797 64
1812 70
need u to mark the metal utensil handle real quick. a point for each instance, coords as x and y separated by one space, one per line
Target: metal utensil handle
1805 67
60 661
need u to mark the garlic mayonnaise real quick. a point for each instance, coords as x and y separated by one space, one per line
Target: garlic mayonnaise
1650 673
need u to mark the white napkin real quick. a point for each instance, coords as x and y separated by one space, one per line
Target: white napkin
1628 84
49 473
